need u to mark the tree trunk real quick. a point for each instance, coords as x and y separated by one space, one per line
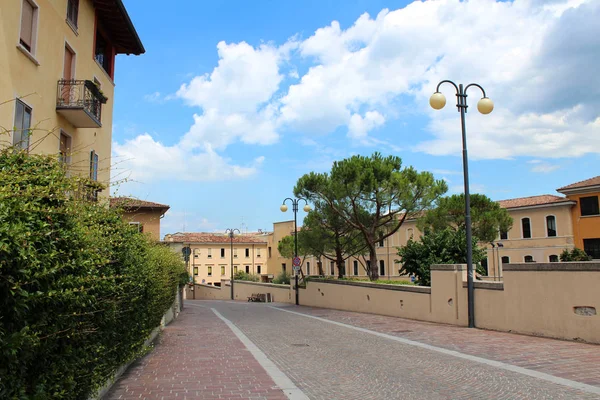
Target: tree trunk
320 267
374 271
340 263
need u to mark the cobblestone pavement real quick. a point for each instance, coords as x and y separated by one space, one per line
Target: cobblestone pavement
197 357
328 361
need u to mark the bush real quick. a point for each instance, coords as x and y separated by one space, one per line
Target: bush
242 276
80 290
574 255
282 279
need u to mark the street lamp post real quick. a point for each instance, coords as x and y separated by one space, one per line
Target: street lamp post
485 106
231 232
306 208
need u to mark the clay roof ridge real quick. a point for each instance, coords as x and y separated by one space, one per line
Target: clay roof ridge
581 184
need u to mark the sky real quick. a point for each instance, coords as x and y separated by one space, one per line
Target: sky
233 101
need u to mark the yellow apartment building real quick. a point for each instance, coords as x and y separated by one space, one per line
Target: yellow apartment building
57 59
585 214
210 256
145 215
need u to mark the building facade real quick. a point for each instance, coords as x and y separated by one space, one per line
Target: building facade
210 255
144 215
57 59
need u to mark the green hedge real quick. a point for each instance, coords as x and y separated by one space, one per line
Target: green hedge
80 290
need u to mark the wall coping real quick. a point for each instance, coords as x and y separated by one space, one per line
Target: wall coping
273 285
486 285
449 267
208 286
384 286
585 266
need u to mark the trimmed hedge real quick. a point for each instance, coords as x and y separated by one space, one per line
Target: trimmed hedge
80 290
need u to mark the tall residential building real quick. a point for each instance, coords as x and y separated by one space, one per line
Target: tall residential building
57 63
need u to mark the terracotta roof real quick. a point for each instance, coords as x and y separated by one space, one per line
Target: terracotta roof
129 203
595 181
532 201
205 237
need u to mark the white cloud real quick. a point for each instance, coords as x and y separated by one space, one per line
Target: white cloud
360 126
182 221
543 167
153 97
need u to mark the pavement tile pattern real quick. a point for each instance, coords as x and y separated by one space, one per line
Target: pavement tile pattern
197 357
327 361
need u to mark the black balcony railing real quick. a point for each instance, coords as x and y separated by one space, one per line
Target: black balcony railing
80 95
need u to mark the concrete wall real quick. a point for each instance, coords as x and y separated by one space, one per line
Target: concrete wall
544 299
242 290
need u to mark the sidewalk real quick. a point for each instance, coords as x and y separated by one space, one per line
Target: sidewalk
198 357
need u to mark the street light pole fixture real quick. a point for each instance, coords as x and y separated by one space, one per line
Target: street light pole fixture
231 232
306 208
485 106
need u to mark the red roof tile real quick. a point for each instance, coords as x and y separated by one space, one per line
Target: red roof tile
204 237
595 181
129 203
532 201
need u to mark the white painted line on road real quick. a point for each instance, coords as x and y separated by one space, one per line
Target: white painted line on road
498 364
281 380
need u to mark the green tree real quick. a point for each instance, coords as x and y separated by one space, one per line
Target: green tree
445 246
574 255
487 217
373 195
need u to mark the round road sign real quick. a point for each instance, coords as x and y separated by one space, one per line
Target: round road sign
296 261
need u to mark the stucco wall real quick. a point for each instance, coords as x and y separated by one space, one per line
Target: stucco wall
586 227
149 219
279 293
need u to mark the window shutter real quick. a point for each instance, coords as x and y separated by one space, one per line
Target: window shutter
27 24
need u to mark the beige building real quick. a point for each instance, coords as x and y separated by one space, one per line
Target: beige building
210 255
57 59
145 215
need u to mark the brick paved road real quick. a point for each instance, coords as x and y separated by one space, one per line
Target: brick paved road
329 361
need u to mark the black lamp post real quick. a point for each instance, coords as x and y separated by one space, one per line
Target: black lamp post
485 106
231 233
306 208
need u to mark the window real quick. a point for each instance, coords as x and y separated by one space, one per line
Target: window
307 268
222 270
528 259
235 269
258 253
409 234
247 269
209 270
368 265
332 266
269 251
503 235
592 247
553 258
355 266
258 269
505 260
103 53
484 264
551 225
222 253
22 125
72 12
29 16
68 73
93 165
195 270
235 253
526 225
589 205
283 267
381 267
138 226
381 244
64 149
247 253
208 254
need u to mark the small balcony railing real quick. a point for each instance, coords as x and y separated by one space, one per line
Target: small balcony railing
80 102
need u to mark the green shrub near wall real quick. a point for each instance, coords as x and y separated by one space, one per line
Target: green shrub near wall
80 290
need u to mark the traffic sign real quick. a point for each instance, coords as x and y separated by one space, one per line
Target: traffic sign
296 261
296 268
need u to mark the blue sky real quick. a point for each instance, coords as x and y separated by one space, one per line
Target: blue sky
233 101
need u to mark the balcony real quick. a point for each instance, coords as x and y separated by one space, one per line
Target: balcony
80 102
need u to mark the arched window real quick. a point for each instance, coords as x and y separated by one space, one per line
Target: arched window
553 258
526 225
528 258
505 260
551 225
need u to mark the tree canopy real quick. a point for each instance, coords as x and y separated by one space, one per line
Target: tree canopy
373 195
487 217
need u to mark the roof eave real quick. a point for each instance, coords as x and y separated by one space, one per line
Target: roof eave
140 47
584 189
